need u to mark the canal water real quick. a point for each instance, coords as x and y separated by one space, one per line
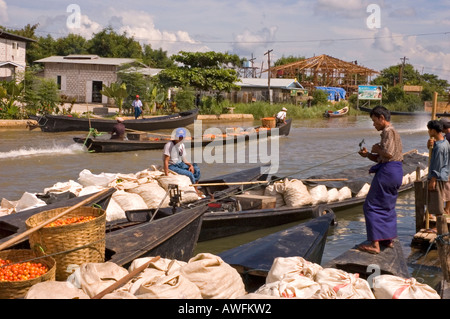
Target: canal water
33 160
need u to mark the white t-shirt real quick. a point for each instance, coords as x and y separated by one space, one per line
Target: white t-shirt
176 152
281 115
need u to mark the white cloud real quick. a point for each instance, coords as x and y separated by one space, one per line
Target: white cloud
248 41
3 12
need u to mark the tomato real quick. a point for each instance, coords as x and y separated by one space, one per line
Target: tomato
20 271
70 220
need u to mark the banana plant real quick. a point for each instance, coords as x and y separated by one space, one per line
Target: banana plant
155 95
117 92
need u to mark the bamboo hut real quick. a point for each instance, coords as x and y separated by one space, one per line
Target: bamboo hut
324 70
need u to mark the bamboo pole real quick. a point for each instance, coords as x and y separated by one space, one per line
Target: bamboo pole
125 279
32 230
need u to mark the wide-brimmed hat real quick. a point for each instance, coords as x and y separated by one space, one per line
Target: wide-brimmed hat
284 109
119 119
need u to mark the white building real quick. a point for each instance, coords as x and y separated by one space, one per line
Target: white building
12 55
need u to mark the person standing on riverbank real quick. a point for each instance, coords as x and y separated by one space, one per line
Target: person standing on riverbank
137 104
438 171
379 206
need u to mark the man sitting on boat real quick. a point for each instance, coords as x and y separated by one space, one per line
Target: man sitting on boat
174 159
281 117
118 130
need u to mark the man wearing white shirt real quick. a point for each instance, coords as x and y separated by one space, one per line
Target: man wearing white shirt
137 104
281 117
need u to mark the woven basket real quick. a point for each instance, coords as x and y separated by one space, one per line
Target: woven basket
63 242
269 122
18 289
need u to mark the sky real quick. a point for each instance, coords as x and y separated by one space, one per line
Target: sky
376 33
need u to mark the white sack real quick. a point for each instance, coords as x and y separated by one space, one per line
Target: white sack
333 195
29 201
55 290
290 287
188 193
174 286
363 191
215 278
346 285
275 190
393 287
296 194
86 178
291 267
61 187
319 194
152 194
128 201
345 193
114 211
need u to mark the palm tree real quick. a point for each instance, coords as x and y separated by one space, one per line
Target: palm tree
117 92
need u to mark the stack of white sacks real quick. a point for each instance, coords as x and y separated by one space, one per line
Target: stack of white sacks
147 189
207 276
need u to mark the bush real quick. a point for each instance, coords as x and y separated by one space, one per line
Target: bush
319 97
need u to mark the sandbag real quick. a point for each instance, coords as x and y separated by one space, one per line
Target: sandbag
174 286
319 194
325 292
28 201
346 285
114 211
296 193
152 194
55 290
393 287
129 201
62 187
364 190
86 178
333 195
290 287
215 278
345 193
96 277
88 190
119 295
276 190
188 193
291 267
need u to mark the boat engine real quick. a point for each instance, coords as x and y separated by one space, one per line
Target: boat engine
175 197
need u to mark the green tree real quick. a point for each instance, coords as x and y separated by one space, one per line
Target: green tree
108 43
117 92
209 71
156 58
71 44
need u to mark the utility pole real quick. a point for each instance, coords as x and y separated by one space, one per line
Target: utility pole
268 77
402 68
252 60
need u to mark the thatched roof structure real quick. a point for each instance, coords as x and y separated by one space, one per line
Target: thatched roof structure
324 70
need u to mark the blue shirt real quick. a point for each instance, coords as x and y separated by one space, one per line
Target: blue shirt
439 163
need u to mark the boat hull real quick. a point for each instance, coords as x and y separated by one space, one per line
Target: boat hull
62 123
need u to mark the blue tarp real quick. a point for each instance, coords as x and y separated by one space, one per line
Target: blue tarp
334 94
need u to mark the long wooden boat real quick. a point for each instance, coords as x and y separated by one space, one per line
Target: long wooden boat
253 260
224 218
172 237
390 261
422 114
338 113
102 145
64 123
14 224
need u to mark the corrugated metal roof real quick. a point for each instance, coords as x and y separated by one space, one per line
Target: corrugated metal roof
11 36
85 59
274 83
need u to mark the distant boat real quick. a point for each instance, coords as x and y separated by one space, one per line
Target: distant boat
64 123
103 145
338 113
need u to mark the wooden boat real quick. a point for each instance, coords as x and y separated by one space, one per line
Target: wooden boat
224 217
254 260
13 224
171 237
64 123
390 261
101 145
338 113
423 114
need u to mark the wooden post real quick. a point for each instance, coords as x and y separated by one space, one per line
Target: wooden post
443 246
419 194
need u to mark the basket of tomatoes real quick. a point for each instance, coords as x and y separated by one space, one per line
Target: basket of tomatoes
20 269
76 238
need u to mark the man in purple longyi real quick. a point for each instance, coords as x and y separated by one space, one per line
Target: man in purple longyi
379 206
